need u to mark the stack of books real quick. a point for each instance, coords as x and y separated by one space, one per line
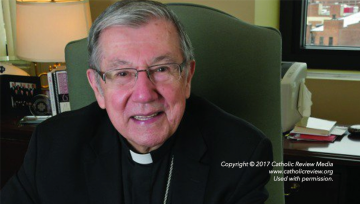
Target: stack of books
58 90
315 129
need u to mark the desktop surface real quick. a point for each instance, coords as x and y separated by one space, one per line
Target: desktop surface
344 148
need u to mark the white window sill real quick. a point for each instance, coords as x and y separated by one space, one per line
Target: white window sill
334 75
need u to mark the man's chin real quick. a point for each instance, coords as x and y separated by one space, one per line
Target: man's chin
147 143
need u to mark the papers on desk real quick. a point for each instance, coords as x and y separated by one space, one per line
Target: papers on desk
304 102
314 126
315 129
339 130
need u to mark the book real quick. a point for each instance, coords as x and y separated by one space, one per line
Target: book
52 94
297 136
58 90
62 97
314 126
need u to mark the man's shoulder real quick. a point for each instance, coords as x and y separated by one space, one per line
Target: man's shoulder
73 121
219 127
209 115
86 114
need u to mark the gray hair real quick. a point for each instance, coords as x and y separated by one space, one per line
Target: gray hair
133 14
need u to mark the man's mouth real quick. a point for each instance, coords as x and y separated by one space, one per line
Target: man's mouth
146 117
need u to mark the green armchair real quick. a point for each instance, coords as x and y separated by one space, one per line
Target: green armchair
237 68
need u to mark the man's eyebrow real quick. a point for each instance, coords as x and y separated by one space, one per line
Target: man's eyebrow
157 60
116 63
163 59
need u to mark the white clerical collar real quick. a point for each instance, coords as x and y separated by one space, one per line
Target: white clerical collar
141 158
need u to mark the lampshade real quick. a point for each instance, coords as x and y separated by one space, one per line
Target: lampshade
44 28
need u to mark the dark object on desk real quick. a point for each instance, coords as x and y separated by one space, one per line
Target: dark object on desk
2 69
17 93
354 130
40 105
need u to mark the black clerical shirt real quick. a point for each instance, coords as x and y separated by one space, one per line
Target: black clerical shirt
146 183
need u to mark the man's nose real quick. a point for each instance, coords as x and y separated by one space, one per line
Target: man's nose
144 90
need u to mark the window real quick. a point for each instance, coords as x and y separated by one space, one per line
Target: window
312 41
330 41
3 43
325 34
7 30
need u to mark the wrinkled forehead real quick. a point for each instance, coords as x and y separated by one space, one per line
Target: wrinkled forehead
170 25
159 32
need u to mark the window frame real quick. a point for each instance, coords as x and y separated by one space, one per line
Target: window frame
9 20
292 13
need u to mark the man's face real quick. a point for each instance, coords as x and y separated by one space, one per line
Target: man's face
146 114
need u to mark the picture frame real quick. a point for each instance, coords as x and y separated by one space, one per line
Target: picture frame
17 93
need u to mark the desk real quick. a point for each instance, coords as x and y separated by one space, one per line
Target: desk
14 142
344 153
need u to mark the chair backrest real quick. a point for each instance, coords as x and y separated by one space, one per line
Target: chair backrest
237 68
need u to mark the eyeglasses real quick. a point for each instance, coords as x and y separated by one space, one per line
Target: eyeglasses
162 73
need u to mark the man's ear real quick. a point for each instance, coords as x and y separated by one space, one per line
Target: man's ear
190 75
91 75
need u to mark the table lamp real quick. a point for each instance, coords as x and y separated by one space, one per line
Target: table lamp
43 28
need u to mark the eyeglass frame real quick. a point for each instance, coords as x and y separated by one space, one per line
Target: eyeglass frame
102 74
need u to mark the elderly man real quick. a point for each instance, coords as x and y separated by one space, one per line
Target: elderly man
146 140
